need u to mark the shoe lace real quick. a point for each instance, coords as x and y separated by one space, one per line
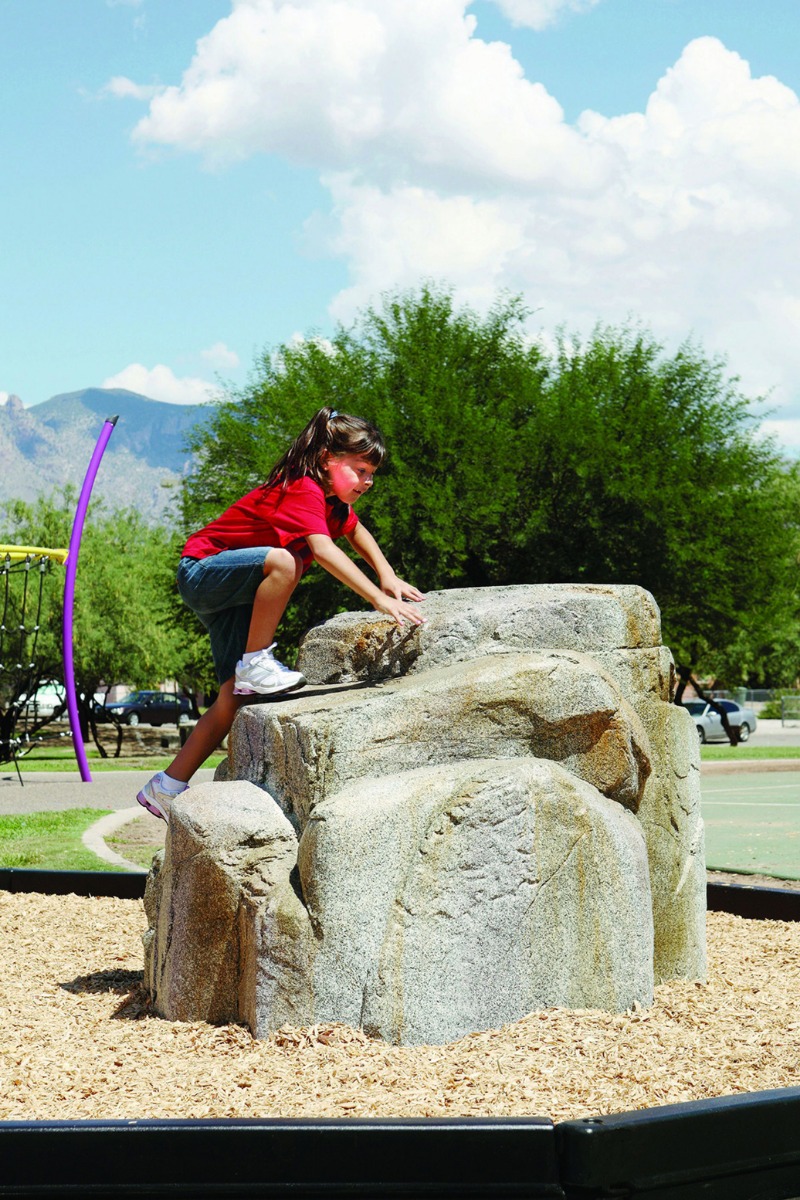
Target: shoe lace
278 665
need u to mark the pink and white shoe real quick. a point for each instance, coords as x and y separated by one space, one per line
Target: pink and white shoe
156 798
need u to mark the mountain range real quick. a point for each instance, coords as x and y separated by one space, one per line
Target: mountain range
50 445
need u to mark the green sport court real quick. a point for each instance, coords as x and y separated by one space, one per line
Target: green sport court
753 823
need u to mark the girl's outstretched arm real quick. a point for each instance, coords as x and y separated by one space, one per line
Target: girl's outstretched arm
365 545
335 561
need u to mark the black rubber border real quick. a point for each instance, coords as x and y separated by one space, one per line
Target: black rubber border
730 1148
126 885
756 903
311 1158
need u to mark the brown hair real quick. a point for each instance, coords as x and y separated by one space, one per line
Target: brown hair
331 431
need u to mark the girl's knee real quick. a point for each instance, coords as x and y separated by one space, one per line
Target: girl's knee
283 563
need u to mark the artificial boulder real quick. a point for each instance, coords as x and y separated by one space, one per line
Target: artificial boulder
619 628
434 902
228 850
461 897
497 812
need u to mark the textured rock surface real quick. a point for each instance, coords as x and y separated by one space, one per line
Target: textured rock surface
620 628
228 857
669 811
485 890
466 623
435 902
498 812
558 706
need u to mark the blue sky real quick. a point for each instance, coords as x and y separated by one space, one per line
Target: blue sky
186 184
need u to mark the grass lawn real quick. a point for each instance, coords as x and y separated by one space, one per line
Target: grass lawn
62 758
50 841
739 753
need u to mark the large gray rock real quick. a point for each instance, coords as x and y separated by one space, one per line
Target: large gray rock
674 832
620 628
229 853
669 810
435 902
499 812
558 706
485 890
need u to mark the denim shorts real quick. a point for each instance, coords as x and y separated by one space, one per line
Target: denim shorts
220 590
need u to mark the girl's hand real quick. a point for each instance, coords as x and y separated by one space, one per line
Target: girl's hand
393 586
399 611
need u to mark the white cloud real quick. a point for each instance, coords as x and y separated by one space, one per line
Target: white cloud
123 88
538 14
160 383
412 232
394 89
786 432
696 230
221 357
444 162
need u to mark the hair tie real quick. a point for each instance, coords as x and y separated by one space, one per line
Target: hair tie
333 414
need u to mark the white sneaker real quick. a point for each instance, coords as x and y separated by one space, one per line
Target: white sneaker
156 799
263 675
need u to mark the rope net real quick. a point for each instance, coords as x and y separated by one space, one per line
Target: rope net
23 570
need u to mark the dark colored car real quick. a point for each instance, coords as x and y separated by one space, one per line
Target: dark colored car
152 708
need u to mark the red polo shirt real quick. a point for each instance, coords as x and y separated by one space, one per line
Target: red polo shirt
275 517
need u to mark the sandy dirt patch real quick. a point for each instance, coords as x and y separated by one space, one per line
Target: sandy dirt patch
77 1040
138 840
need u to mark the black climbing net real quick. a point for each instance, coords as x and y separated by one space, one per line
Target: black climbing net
23 572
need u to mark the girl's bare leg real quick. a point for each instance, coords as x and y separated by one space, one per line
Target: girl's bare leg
207 734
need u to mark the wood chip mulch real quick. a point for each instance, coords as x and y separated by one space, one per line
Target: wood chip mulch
77 1040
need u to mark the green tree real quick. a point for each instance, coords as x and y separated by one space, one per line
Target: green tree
124 627
608 461
652 472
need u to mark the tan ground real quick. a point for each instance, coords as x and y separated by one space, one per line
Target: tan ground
76 1040
139 839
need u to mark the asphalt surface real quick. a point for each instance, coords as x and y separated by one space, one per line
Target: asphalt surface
50 791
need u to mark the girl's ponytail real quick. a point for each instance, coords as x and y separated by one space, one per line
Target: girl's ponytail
332 432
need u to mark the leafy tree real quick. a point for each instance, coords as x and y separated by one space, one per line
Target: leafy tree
454 396
652 473
124 629
607 461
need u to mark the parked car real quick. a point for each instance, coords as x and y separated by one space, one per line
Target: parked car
709 723
48 701
154 708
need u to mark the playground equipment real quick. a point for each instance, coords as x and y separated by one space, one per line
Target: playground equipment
18 673
19 635
69 594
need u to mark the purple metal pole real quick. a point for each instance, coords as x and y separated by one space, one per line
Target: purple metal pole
69 596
